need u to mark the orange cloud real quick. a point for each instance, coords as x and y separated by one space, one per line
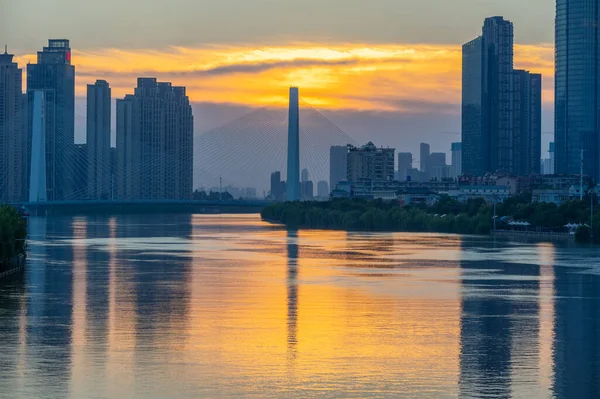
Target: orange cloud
400 78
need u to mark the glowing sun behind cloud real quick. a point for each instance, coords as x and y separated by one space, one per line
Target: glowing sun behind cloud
385 77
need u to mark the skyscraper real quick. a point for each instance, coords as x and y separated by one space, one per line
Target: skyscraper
577 87
498 36
527 122
338 158
456 149
55 75
155 142
405 161
98 141
13 170
475 139
501 107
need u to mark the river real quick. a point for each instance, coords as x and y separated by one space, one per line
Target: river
208 306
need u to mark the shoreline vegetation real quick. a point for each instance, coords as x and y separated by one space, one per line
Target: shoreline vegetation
13 232
447 216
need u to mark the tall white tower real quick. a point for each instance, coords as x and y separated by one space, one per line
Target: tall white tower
293 164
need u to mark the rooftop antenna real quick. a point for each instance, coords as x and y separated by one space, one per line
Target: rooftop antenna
6 49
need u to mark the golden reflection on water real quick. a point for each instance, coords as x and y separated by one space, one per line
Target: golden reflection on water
547 254
228 306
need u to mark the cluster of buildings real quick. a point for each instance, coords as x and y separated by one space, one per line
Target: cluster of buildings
500 152
153 156
278 188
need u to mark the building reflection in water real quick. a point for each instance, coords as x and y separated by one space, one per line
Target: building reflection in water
292 293
577 334
499 326
50 312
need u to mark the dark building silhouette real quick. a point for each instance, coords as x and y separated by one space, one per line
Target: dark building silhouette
98 141
577 90
277 187
338 158
307 190
13 144
405 162
501 107
527 122
55 75
155 142
475 141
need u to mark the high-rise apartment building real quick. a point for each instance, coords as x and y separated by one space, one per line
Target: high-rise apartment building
13 144
155 142
55 76
98 141
369 163
456 167
527 122
405 164
276 187
577 87
338 158
501 114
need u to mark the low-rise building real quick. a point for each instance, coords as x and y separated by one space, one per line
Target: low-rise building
488 193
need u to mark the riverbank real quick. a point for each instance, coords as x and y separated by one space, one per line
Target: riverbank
446 216
474 217
534 235
13 233
15 266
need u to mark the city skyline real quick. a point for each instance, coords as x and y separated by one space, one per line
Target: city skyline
389 78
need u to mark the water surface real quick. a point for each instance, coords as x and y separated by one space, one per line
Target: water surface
180 306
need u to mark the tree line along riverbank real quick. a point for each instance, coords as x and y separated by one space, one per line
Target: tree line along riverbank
13 232
447 216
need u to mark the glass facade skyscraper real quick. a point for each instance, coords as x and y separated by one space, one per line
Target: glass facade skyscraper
474 138
55 76
501 106
577 87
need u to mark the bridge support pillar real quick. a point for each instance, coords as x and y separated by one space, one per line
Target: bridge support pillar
293 159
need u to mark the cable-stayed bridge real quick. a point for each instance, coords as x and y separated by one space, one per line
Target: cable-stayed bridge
241 153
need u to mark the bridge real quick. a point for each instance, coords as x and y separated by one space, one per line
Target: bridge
143 207
161 175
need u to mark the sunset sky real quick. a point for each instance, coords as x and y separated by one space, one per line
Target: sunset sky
387 69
